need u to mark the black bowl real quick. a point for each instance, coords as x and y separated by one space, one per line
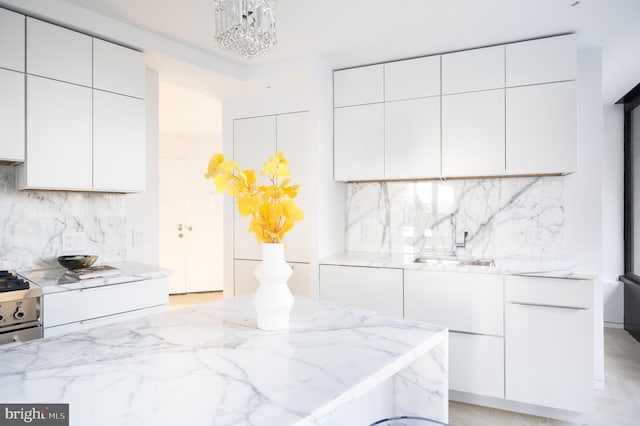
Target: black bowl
76 261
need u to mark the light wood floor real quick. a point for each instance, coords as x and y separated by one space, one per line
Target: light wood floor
617 405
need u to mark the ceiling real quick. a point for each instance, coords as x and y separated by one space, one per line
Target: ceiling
355 32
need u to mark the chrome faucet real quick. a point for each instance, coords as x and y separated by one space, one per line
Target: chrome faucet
455 245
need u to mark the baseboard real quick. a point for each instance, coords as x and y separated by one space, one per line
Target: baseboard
613 325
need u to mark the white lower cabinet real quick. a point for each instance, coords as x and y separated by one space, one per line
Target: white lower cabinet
245 282
376 289
88 307
549 343
471 307
476 364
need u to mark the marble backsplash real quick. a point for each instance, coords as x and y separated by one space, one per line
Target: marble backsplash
509 217
32 224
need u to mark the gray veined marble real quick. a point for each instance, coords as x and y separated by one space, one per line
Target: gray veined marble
515 217
32 224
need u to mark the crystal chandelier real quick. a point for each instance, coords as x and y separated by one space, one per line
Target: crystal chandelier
245 27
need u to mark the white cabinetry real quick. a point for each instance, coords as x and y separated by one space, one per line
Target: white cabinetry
549 342
359 142
59 152
12 100
473 134
254 141
376 289
412 131
471 306
246 282
12 40
58 53
543 60
472 70
74 310
357 86
118 142
413 78
541 130
118 69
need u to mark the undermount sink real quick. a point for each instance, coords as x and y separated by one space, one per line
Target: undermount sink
450 260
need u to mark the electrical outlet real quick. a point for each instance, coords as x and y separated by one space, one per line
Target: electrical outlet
73 241
535 235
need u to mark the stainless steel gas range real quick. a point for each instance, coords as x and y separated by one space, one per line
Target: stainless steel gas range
20 309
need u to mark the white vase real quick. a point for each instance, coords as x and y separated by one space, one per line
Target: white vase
273 299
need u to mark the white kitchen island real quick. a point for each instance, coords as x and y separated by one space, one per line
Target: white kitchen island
210 365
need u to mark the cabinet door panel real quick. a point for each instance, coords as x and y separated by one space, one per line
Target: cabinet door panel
356 86
541 61
359 143
11 40
471 70
12 113
413 78
541 131
376 289
549 356
293 141
466 302
412 139
476 364
119 155
118 69
254 141
59 133
58 53
473 134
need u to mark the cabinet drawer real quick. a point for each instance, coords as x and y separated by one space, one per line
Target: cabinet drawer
376 289
549 291
467 302
81 305
476 364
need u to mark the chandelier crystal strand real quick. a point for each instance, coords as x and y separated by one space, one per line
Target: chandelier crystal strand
245 27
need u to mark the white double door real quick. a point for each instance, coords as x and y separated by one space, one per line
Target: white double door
190 226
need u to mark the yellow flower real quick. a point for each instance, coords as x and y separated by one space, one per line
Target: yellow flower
271 207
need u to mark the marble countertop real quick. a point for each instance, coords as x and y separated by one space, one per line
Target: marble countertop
503 266
55 280
210 365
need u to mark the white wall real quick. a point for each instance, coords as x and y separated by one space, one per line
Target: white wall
142 209
584 189
613 214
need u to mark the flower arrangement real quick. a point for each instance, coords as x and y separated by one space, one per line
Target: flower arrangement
272 209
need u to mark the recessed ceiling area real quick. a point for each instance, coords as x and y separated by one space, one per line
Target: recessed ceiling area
351 33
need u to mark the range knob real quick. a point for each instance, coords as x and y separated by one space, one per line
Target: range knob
1 317
19 314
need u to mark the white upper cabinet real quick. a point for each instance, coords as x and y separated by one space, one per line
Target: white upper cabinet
356 86
413 78
473 134
118 69
11 40
118 143
59 152
472 70
541 129
58 53
12 112
541 61
292 141
359 143
412 139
